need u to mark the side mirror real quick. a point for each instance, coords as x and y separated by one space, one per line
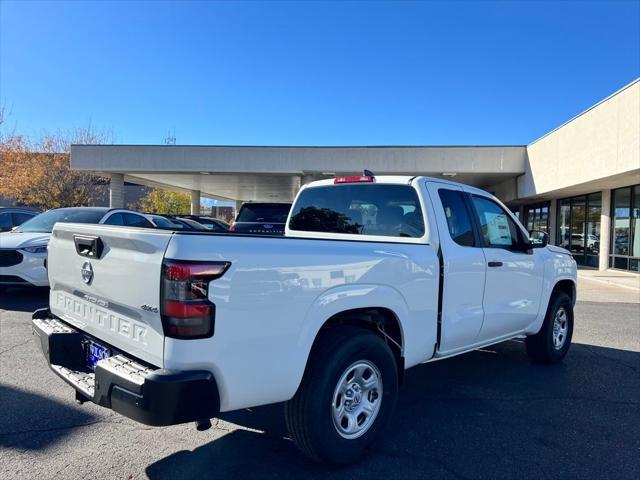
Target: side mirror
538 238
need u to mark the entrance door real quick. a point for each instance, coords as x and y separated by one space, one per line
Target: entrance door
579 227
514 277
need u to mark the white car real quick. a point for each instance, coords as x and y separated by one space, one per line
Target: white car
373 276
23 251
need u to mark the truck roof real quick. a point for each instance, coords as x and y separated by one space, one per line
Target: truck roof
391 179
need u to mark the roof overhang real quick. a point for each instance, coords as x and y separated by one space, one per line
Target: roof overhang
275 173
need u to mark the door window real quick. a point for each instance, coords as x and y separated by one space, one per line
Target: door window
19 218
133 220
5 222
496 226
115 219
458 219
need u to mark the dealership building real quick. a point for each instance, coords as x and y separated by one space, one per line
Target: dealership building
579 182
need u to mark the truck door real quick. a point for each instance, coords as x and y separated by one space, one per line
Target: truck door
514 277
464 268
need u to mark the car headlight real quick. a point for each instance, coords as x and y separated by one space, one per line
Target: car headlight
36 249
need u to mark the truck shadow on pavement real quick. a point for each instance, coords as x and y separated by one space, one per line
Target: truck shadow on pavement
30 421
488 414
24 299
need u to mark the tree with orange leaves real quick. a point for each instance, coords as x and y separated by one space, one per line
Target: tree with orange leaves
38 174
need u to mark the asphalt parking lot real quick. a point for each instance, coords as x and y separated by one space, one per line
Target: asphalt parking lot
487 414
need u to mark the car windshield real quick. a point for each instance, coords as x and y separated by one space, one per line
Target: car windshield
264 212
44 222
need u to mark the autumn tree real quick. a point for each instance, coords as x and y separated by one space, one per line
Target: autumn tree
165 202
38 173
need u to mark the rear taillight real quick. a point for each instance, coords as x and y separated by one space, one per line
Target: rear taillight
185 307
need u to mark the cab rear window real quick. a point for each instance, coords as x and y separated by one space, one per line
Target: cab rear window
359 209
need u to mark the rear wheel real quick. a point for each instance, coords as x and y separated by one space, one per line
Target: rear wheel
552 342
347 395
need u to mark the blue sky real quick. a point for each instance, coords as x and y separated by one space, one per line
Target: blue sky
313 73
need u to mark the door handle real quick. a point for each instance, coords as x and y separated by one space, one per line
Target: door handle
495 264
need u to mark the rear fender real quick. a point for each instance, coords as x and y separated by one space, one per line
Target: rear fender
349 297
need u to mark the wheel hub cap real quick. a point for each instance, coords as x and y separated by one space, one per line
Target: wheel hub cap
560 328
357 399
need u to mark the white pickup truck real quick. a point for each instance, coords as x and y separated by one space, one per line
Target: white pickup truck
373 276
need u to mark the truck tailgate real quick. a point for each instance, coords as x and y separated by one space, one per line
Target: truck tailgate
105 281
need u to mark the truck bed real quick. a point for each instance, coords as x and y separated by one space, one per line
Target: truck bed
268 305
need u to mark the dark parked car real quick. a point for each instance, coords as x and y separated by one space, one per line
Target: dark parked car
189 224
13 216
212 224
261 218
165 223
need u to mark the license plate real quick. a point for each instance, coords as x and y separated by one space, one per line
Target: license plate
95 353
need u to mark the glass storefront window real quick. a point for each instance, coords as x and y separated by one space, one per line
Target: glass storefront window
635 226
578 227
621 211
544 219
625 229
592 233
578 209
537 217
563 223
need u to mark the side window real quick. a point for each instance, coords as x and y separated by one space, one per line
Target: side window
115 219
497 228
133 220
5 222
19 218
458 219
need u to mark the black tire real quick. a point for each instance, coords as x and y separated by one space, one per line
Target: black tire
309 414
541 346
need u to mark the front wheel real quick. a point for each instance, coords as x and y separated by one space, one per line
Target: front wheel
551 343
347 395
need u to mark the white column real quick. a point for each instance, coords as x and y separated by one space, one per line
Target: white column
116 191
238 205
553 215
195 202
605 230
304 179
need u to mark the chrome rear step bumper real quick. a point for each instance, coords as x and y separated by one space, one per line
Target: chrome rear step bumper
147 394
